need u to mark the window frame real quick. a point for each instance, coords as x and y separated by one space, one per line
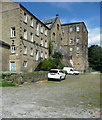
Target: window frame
37 55
31 22
25 50
25 17
31 37
41 29
77 28
41 43
46 43
78 48
13 32
31 52
25 34
71 41
77 40
46 32
70 29
25 64
13 49
46 55
71 49
37 29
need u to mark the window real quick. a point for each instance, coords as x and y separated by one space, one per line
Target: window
12 66
77 40
25 34
31 22
31 51
45 43
37 29
13 42
57 26
77 48
31 37
53 36
45 32
41 54
25 50
77 55
71 41
13 49
25 17
42 29
45 55
37 55
77 28
71 49
41 42
25 64
70 29
13 32
62 30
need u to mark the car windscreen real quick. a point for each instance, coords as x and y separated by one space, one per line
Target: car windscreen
53 71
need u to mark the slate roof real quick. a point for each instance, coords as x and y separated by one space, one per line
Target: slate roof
49 20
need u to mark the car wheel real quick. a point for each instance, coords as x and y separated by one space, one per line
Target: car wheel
60 78
65 77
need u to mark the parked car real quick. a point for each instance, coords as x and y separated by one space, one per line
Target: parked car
56 74
71 71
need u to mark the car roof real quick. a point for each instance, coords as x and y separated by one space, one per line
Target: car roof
54 69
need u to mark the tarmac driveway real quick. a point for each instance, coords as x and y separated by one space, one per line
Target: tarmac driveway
75 97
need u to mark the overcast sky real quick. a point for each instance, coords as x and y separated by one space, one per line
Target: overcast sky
88 12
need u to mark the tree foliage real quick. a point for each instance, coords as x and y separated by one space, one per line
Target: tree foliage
95 57
57 55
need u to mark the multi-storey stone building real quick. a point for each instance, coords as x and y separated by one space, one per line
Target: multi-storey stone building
76 44
29 39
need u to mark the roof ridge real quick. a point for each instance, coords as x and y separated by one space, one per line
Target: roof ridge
48 18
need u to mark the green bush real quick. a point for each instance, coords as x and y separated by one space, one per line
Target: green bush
52 63
46 65
57 55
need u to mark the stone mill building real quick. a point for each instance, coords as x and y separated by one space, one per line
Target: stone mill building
25 40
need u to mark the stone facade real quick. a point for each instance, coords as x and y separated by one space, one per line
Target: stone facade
29 39
76 44
28 44
4 58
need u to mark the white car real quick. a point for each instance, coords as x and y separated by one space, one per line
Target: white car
56 74
71 71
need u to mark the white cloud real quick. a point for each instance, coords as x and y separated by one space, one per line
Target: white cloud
94 36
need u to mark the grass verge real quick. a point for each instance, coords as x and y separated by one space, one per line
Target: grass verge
7 84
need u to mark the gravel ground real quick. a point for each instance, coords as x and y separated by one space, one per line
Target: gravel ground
75 97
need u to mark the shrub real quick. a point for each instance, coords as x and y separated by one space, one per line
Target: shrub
52 63
57 55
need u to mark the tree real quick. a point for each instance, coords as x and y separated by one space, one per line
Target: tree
52 63
95 57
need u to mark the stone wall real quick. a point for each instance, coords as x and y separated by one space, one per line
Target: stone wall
20 78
